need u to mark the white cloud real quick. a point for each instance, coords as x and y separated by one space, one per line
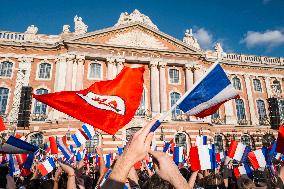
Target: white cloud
204 38
267 39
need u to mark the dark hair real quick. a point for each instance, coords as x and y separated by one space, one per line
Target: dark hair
185 173
156 182
33 184
47 184
62 183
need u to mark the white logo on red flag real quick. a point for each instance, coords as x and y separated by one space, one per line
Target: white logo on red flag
112 103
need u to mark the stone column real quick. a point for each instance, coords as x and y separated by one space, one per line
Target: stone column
189 79
120 64
230 118
163 87
268 86
198 72
111 68
154 74
80 72
23 79
69 72
60 74
253 113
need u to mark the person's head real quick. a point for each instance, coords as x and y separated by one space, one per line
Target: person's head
47 184
156 182
281 171
247 183
213 180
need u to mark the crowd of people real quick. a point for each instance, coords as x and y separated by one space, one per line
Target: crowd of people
164 173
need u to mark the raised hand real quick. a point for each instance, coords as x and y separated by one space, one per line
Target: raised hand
167 170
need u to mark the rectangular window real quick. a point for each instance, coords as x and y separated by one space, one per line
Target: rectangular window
257 85
95 71
174 75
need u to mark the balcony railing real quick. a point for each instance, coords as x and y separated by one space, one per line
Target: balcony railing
38 117
218 121
140 112
264 121
242 122
180 117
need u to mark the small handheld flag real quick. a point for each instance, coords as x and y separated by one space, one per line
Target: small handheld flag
236 150
2 126
47 166
257 158
17 146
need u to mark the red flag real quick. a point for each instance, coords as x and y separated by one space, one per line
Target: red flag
53 145
107 105
280 140
2 126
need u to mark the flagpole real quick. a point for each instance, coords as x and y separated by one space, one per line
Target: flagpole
164 115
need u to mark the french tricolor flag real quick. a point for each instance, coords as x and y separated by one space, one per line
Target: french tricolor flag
47 166
201 140
79 137
88 130
208 94
61 143
200 158
17 146
178 154
242 170
257 158
13 166
236 150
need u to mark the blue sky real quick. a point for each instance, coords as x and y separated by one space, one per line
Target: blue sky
242 26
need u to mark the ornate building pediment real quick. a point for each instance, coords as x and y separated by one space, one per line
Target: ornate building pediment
133 35
136 38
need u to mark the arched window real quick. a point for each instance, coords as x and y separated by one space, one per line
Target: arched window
218 141
3 99
93 143
277 86
246 140
37 140
237 83
141 111
181 140
95 71
40 108
261 109
240 109
6 69
257 85
174 98
44 71
174 75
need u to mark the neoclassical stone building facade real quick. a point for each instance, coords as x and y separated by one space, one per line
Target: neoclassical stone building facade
75 60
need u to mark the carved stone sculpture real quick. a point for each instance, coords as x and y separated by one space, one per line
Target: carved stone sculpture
219 50
135 16
190 40
32 29
80 26
66 29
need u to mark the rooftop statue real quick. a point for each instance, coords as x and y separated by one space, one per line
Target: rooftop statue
135 16
190 39
80 26
31 29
